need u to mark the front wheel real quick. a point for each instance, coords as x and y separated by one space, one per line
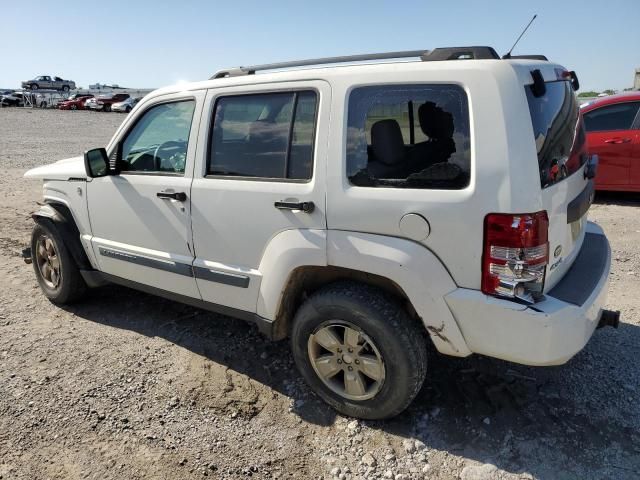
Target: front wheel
34 86
106 108
359 350
56 271
65 88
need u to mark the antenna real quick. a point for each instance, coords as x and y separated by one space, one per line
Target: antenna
508 54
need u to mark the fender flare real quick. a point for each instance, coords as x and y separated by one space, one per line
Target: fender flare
415 269
60 217
285 252
409 265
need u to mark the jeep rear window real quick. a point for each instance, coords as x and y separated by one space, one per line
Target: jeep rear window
409 136
558 131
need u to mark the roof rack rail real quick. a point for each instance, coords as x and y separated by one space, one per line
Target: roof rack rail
529 57
448 53
460 53
233 72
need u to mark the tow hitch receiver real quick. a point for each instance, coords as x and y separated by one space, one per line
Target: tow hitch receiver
26 255
609 318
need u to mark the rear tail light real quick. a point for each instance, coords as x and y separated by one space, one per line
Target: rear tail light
515 255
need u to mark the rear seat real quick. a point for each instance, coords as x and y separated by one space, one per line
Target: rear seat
388 149
391 158
438 126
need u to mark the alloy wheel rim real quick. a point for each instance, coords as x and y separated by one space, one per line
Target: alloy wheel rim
346 360
48 261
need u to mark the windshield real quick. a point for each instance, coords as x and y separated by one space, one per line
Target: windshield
558 132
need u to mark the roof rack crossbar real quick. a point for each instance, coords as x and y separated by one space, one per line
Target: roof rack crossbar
232 72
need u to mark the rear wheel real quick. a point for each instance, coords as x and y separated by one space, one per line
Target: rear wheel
56 271
73 107
34 86
359 350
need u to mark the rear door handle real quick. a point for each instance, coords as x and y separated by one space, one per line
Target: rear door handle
180 196
306 207
617 141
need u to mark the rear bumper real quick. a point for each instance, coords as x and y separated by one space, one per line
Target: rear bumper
549 332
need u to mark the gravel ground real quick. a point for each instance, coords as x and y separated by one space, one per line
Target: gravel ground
130 386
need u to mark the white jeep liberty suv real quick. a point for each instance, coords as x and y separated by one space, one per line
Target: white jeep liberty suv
363 206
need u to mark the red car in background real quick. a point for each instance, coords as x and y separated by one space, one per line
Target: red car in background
104 102
75 101
613 133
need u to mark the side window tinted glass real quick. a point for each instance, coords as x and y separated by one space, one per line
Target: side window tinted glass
158 141
611 117
409 136
264 136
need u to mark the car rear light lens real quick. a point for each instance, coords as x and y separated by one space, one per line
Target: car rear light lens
515 255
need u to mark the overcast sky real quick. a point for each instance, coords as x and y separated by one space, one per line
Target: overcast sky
145 44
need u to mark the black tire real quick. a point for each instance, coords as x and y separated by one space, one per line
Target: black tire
127 109
34 86
73 107
65 88
400 340
71 286
106 108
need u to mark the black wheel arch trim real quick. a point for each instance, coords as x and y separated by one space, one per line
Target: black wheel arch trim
62 219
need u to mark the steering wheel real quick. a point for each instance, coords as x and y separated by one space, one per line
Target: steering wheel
166 145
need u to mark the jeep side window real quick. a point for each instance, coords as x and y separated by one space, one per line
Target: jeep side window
159 139
611 117
408 136
264 136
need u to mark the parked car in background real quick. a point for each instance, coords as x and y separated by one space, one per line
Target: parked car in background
47 82
13 99
126 105
613 133
104 102
75 101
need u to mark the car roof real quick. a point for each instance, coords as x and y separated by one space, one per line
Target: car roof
548 69
612 99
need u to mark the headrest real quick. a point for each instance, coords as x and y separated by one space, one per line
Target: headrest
386 142
435 123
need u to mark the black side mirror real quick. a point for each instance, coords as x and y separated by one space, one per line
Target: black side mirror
96 163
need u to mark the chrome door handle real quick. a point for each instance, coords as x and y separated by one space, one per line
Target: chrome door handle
306 207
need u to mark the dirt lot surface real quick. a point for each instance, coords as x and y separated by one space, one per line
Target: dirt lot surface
129 386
